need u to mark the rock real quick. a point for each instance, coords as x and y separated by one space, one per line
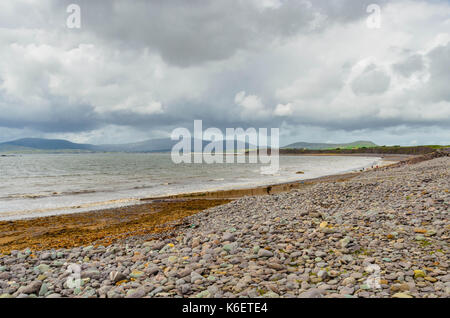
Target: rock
32 288
402 295
347 258
349 281
92 274
419 273
116 277
136 274
211 278
185 272
195 242
311 293
157 245
398 246
172 259
196 276
276 266
203 294
264 253
42 268
430 279
333 273
322 274
43 290
185 288
229 247
345 242
400 287
54 295
230 237
4 275
320 254
45 256
445 278
347 291
136 293
323 225
356 275
272 294
152 270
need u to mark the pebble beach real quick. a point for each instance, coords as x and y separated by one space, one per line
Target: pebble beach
383 233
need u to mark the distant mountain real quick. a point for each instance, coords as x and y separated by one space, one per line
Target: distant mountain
33 144
27 145
322 146
152 145
155 145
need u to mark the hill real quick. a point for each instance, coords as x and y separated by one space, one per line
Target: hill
39 145
43 145
395 150
324 146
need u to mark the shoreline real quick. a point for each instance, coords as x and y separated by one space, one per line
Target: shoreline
72 224
43 232
314 241
278 187
235 191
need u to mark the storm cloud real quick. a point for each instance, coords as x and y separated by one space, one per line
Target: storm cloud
137 69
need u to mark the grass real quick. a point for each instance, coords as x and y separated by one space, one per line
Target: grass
406 150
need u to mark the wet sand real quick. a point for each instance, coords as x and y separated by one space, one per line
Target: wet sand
99 227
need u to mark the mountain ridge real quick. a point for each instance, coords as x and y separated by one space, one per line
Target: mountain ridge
323 146
60 145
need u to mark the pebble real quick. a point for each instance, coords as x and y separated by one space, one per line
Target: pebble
264 253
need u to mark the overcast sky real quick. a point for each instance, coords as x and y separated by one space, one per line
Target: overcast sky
135 70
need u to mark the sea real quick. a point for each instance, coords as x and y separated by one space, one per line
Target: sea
34 185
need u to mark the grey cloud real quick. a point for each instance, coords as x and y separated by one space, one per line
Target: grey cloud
438 86
411 65
371 82
372 121
186 33
59 115
192 32
345 10
194 56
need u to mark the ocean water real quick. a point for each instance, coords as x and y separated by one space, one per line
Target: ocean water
48 184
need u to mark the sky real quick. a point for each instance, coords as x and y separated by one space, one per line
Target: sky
321 71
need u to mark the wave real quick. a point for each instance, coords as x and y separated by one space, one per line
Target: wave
21 214
46 194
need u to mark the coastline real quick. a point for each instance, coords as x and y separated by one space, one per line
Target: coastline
233 190
98 226
314 241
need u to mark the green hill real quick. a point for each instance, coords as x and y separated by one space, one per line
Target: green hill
324 146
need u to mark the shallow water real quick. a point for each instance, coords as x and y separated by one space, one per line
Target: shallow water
45 184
